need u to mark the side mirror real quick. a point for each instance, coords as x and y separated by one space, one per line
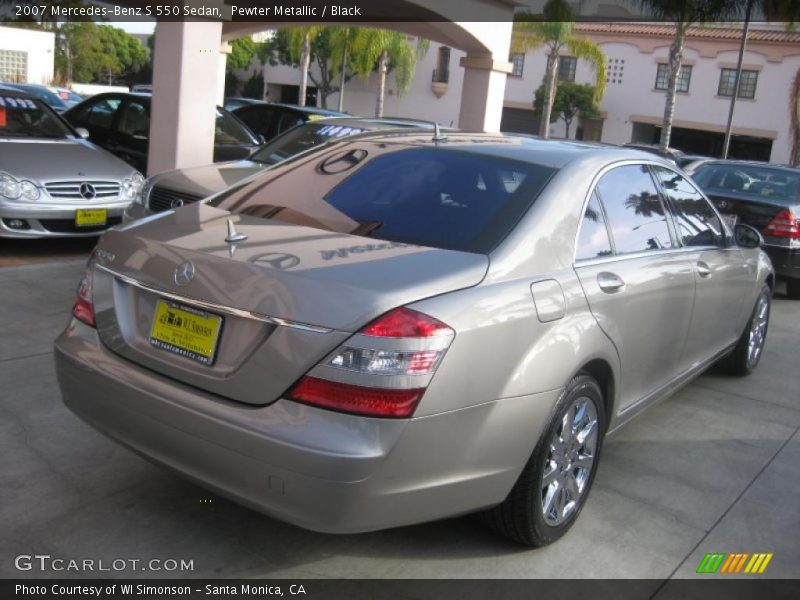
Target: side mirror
261 139
82 133
747 237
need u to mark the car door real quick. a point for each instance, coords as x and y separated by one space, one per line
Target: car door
98 117
639 288
131 136
723 277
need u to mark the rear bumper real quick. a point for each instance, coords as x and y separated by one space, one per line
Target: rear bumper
314 468
785 260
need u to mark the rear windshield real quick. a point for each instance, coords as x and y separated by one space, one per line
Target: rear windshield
299 139
748 180
29 118
424 196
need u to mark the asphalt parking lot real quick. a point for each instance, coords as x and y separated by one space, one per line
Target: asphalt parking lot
712 469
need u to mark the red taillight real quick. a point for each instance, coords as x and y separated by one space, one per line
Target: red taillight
84 309
404 322
374 402
383 370
784 224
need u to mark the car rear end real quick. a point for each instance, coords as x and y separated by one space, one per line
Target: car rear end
303 370
765 197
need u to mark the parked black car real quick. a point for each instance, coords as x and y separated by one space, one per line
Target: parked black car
120 123
270 119
59 99
762 195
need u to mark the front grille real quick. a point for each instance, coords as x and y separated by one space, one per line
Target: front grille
68 225
162 198
72 189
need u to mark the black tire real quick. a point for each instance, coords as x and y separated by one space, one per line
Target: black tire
739 362
520 517
793 288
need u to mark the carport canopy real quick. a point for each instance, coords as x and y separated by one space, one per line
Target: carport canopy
189 72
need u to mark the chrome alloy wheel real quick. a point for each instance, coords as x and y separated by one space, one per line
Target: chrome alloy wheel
568 465
758 330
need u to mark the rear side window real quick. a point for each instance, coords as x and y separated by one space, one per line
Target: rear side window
425 196
634 210
593 240
697 223
101 114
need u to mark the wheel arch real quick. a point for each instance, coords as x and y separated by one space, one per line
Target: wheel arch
601 370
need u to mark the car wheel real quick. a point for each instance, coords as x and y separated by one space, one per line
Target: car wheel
744 358
793 288
555 483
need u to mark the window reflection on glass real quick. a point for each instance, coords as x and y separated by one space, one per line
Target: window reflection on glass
698 224
593 241
634 210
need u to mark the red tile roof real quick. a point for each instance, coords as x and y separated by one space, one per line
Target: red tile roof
775 35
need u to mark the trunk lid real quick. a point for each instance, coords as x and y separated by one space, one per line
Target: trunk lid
287 295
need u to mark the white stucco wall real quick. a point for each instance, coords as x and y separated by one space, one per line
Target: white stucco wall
40 47
636 95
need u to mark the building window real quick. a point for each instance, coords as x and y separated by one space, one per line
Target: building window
566 68
13 66
518 61
747 83
684 76
441 74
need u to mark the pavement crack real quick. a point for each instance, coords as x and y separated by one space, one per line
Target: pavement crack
13 358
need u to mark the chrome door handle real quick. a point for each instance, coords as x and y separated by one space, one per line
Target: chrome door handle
609 282
703 269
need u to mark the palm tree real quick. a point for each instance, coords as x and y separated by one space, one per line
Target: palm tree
794 112
387 48
300 39
557 34
684 14
342 39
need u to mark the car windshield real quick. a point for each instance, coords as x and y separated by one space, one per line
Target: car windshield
231 131
432 197
755 181
29 118
302 138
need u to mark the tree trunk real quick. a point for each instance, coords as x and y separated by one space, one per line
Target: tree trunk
549 93
794 117
341 79
567 124
305 60
382 64
674 68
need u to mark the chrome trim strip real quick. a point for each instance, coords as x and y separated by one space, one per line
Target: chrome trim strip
238 312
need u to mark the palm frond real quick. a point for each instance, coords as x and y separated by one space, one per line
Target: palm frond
585 49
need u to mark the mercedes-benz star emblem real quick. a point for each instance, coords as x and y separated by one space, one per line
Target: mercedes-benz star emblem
87 191
184 273
176 203
277 260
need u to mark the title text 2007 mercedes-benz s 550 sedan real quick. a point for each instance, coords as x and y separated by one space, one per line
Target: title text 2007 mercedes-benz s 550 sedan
399 327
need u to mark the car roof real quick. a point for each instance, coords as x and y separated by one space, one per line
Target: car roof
15 92
310 110
550 153
369 123
749 163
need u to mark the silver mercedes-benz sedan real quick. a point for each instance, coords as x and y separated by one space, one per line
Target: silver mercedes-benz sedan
53 182
403 327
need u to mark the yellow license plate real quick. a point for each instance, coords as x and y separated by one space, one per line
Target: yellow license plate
91 217
185 331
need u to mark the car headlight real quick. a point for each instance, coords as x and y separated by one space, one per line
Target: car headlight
131 187
13 189
141 197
